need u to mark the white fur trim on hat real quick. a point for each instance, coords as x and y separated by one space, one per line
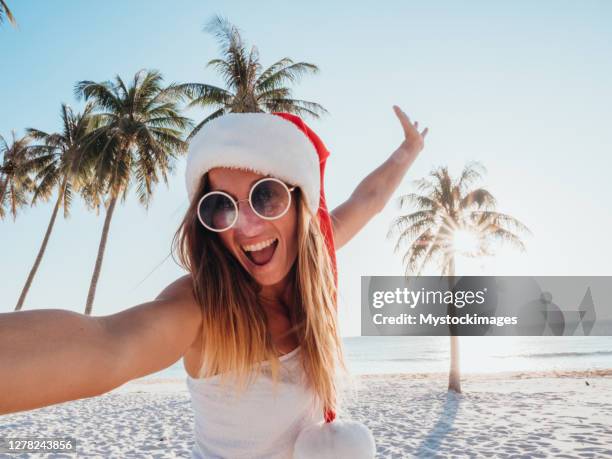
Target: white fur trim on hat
261 142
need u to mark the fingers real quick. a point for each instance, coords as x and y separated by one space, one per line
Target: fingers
404 119
406 124
400 114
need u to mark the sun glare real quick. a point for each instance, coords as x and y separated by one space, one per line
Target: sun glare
465 242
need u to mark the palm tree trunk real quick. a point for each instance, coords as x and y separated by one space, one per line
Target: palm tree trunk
42 249
454 376
98 267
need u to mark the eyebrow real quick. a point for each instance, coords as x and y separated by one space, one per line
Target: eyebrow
250 186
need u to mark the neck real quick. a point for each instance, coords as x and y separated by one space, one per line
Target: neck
276 296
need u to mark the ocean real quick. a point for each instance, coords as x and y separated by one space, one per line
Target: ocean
402 354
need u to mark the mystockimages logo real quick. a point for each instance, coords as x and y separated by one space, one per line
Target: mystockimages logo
485 305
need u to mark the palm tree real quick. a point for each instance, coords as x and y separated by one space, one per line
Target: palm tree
61 166
249 89
5 12
15 169
447 211
138 134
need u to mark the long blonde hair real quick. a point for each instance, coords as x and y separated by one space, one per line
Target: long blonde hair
235 333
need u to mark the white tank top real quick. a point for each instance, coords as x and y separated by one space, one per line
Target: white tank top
258 423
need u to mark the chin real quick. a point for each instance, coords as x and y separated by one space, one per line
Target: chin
269 277
272 271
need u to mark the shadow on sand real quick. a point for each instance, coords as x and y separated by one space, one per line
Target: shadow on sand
430 444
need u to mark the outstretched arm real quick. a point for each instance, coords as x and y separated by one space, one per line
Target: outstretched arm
51 356
374 191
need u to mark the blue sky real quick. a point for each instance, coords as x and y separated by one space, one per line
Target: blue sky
523 87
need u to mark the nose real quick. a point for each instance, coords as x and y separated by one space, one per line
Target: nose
248 223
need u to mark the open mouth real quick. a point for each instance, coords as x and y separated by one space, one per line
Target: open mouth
262 252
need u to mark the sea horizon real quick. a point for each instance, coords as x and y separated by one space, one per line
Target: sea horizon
366 355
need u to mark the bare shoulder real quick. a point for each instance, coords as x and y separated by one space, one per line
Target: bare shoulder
181 289
180 294
152 336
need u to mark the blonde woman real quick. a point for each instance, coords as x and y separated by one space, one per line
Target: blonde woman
256 314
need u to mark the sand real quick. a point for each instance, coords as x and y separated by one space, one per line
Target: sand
505 415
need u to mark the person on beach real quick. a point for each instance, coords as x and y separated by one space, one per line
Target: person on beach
257 306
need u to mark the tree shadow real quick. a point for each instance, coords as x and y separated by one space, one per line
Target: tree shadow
430 444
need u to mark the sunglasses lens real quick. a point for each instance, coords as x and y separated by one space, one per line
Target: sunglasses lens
217 211
270 199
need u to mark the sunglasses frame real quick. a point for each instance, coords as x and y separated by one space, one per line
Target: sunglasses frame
238 201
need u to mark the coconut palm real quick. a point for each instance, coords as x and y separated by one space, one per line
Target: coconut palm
61 166
138 133
15 169
6 13
448 213
249 89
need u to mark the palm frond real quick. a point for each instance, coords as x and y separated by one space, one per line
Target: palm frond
504 236
484 218
210 117
480 197
419 201
3 145
472 172
46 180
289 74
399 224
420 251
15 171
409 233
276 93
6 12
435 255
104 94
282 63
204 94
298 107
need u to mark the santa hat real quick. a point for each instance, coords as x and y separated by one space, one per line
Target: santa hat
283 146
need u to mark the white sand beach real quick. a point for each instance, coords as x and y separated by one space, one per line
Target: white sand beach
565 414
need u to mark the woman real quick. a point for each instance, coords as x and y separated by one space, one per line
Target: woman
257 307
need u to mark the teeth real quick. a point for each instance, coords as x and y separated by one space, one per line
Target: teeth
258 246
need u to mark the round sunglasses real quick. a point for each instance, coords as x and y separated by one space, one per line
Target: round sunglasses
269 199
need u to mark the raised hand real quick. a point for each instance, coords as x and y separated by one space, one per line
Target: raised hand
374 191
414 141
